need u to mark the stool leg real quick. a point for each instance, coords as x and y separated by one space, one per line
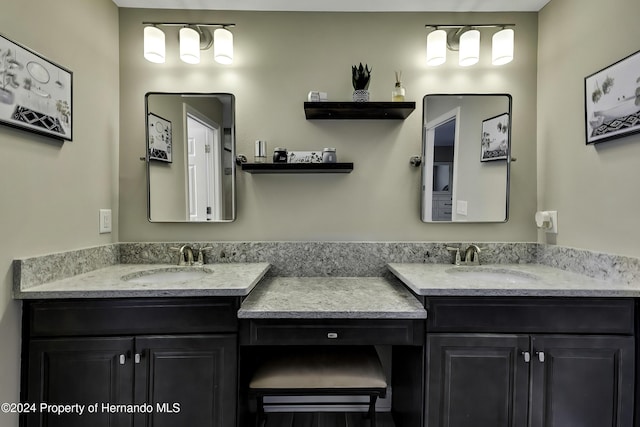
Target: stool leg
372 410
259 410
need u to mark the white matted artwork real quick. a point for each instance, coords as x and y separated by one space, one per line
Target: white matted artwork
495 138
304 157
612 101
35 93
159 137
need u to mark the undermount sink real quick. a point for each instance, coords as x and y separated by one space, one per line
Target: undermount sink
167 275
494 274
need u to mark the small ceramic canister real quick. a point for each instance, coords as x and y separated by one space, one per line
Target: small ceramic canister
280 155
329 155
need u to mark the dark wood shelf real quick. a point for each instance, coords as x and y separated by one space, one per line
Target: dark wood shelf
358 110
297 167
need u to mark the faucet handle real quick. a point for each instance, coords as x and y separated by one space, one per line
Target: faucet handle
457 260
200 257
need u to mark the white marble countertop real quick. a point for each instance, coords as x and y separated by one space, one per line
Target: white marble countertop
519 280
331 298
236 279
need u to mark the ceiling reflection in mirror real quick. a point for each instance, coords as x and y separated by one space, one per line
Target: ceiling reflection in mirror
466 152
190 146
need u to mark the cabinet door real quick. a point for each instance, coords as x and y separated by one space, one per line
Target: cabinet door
585 381
476 380
188 380
80 371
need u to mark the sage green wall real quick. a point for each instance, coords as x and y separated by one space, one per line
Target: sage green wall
279 58
51 192
594 188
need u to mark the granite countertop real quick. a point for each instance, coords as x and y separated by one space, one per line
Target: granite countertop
331 298
522 280
109 282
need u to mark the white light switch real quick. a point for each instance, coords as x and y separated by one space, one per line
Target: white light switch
105 221
461 207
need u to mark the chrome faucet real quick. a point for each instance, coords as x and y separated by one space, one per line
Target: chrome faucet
471 255
185 255
190 256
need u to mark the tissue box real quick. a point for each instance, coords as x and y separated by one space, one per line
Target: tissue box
305 157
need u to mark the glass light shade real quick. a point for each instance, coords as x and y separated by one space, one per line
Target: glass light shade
189 45
502 47
469 48
436 47
154 50
223 46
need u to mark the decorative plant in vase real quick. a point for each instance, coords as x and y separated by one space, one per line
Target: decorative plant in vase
360 77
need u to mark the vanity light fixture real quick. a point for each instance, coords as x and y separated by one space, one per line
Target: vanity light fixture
436 47
223 46
189 45
502 47
154 44
193 37
466 40
469 50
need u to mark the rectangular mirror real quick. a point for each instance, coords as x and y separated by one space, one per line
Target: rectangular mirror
190 157
466 156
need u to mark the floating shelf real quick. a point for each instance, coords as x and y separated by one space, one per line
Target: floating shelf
358 110
297 167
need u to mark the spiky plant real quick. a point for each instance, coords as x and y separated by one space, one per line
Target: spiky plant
360 77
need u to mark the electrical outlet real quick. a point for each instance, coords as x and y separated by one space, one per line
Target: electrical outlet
553 215
105 221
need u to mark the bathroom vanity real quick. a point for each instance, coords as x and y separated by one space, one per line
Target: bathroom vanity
542 347
176 355
142 336
502 345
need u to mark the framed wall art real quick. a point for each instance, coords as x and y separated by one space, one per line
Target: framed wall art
35 93
612 101
495 138
159 138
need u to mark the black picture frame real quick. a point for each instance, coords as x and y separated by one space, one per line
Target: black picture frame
495 138
612 101
36 94
159 138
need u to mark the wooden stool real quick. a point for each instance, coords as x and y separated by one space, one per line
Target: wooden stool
321 371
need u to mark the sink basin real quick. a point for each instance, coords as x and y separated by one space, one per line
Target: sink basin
168 275
493 274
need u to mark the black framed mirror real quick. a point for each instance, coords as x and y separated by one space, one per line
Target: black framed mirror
190 146
466 152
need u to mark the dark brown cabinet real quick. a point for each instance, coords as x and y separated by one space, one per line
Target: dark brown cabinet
586 381
189 381
144 378
78 370
520 378
495 380
476 380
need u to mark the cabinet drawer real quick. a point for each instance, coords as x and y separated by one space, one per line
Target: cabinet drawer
443 204
339 332
531 315
131 316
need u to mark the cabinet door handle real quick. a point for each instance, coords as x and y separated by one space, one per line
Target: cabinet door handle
527 356
122 358
332 335
540 356
136 358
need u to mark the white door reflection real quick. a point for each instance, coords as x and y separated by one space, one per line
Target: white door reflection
441 136
204 159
